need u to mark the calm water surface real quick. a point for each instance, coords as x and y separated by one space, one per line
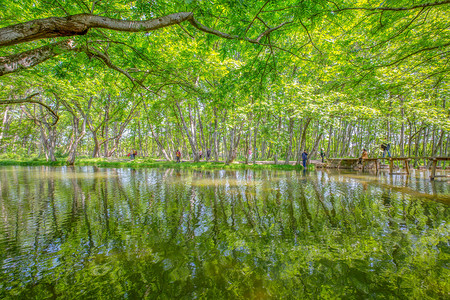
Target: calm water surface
97 233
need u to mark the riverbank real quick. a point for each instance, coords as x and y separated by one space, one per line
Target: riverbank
148 163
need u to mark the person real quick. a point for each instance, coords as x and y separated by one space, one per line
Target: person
322 154
178 154
133 154
364 155
250 154
208 154
386 147
200 153
304 158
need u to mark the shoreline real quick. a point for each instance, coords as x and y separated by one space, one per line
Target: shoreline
159 163
149 163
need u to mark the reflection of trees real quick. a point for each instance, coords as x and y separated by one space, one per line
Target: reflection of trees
143 233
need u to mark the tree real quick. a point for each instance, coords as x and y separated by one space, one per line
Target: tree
338 75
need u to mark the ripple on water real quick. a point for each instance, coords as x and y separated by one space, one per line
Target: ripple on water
101 232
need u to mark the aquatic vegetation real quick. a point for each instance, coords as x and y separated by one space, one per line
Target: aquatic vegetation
93 232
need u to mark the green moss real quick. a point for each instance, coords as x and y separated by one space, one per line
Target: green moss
31 162
144 163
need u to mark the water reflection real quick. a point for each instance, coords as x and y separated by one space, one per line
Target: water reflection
86 232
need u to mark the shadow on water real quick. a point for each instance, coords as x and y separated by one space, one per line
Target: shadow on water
416 185
87 232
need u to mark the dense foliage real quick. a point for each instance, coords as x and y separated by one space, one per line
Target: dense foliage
276 77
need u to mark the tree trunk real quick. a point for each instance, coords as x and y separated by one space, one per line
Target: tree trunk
190 138
402 131
4 123
155 137
315 147
255 135
291 137
302 142
425 140
77 135
436 147
106 128
202 136
329 141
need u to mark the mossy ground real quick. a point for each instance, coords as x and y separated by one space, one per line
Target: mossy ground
144 163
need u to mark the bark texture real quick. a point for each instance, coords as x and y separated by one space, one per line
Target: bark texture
79 25
31 58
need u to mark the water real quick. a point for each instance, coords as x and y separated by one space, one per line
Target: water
100 233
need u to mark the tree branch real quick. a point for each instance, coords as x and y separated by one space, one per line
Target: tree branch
105 58
309 36
409 55
29 100
399 32
33 57
395 8
256 16
80 24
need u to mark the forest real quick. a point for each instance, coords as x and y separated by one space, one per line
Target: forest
240 88
90 78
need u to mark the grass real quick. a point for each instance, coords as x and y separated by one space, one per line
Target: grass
144 163
31 162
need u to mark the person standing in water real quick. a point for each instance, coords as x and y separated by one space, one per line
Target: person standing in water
304 158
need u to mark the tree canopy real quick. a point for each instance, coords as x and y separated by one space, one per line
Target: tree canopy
238 65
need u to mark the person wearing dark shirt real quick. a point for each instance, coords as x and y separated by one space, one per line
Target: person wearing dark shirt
322 154
304 158
386 147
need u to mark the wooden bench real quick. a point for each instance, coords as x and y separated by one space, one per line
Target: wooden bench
352 162
338 163
376 160
433 166
391 165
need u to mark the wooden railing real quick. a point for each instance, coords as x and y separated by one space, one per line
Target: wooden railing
353 161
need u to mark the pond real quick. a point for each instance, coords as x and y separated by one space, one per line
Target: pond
88 232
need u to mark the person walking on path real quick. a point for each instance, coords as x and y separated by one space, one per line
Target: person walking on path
200 153
208 154
178 155
322 154
386 147
249 154
304 158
